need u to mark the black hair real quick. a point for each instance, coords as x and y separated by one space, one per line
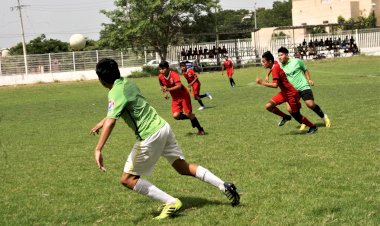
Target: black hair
107 70
163 64
268 56
183 63
283 50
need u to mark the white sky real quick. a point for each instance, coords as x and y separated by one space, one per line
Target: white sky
60 19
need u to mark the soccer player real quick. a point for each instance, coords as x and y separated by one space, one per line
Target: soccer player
154 139
288 94
181 102
228 65
299 76
194 84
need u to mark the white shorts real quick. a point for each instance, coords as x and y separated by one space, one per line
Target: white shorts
145 153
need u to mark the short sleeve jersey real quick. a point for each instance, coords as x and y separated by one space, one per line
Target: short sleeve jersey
295 69
279 77
126 101
190 75
228 64
172 80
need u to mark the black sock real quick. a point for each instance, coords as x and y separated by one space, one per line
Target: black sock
319 111
182 117
201 103
195 123
203 96
297 116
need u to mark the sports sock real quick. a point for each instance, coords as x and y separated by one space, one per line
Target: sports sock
182 116
205 175
201 103
195 123
301 119
278 112
203 96
319 111
144 187
233 81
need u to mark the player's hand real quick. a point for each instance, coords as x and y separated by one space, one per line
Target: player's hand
267 78
310 82
164 88
259 80
166 96
96 129
99 160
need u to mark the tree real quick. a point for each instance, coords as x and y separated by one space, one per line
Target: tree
41 45
358 23
151 23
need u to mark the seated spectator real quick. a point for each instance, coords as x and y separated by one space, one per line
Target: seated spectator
224 50
183 54
304 42
312 52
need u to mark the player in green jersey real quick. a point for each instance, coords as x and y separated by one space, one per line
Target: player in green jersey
154 139
299 76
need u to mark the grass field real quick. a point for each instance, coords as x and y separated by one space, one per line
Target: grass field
49 177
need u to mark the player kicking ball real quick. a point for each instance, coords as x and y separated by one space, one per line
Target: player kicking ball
181 102
288 94
154 139
194 84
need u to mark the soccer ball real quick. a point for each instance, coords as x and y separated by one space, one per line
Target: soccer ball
77 41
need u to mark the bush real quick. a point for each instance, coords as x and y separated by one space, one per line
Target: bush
139 74
153 71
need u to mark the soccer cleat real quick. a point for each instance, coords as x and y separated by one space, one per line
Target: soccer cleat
284 120
209 95
327 121
302 127
201 132
231 192
168 210
312 130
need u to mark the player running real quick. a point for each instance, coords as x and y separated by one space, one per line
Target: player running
181 103
154 139
228 65
194 84
299 76
288 94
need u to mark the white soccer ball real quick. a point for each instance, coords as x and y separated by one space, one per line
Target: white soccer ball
77 41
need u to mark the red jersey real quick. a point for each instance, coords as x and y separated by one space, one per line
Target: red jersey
172 80
279 77
190 75
228 64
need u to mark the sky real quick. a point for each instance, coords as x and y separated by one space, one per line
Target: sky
60 19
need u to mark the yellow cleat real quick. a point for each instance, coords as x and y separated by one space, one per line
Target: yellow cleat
169 210
327 122
302 127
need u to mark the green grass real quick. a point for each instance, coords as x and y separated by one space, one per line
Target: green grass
49 177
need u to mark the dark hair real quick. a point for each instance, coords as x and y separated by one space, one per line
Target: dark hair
163 64
107 70
183 63
283 50
268 56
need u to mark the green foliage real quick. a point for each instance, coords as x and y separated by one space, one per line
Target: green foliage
49 176
358 23
318 30
150 70
41 45
147 23
139 74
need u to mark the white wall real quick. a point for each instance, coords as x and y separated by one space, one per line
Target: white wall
57 77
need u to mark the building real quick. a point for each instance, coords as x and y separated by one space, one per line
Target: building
316 12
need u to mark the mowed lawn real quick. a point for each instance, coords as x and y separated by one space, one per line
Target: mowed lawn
286 177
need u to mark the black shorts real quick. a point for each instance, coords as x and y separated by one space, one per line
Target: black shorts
306 94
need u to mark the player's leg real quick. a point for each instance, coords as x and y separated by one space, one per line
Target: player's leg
141 161
177 110
295 106
187 110
271 107
196 90
308 97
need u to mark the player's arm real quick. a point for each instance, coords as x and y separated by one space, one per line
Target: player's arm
195 79
265 83
97 127
176 87
164 89
307 75
108 125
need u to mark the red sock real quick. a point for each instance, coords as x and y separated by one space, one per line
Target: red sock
278 112
307 122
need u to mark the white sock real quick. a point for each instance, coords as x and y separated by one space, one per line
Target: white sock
325 116
204 175
144 187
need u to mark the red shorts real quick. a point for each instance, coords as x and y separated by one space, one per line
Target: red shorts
182 104
230 72
293 101
196 87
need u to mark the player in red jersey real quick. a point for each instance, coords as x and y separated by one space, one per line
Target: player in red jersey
194 84
181 103
228 65
288 94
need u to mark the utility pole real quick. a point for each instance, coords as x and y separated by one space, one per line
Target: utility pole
19 7
254 2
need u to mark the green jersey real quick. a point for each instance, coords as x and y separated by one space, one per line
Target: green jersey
294 70
126 101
